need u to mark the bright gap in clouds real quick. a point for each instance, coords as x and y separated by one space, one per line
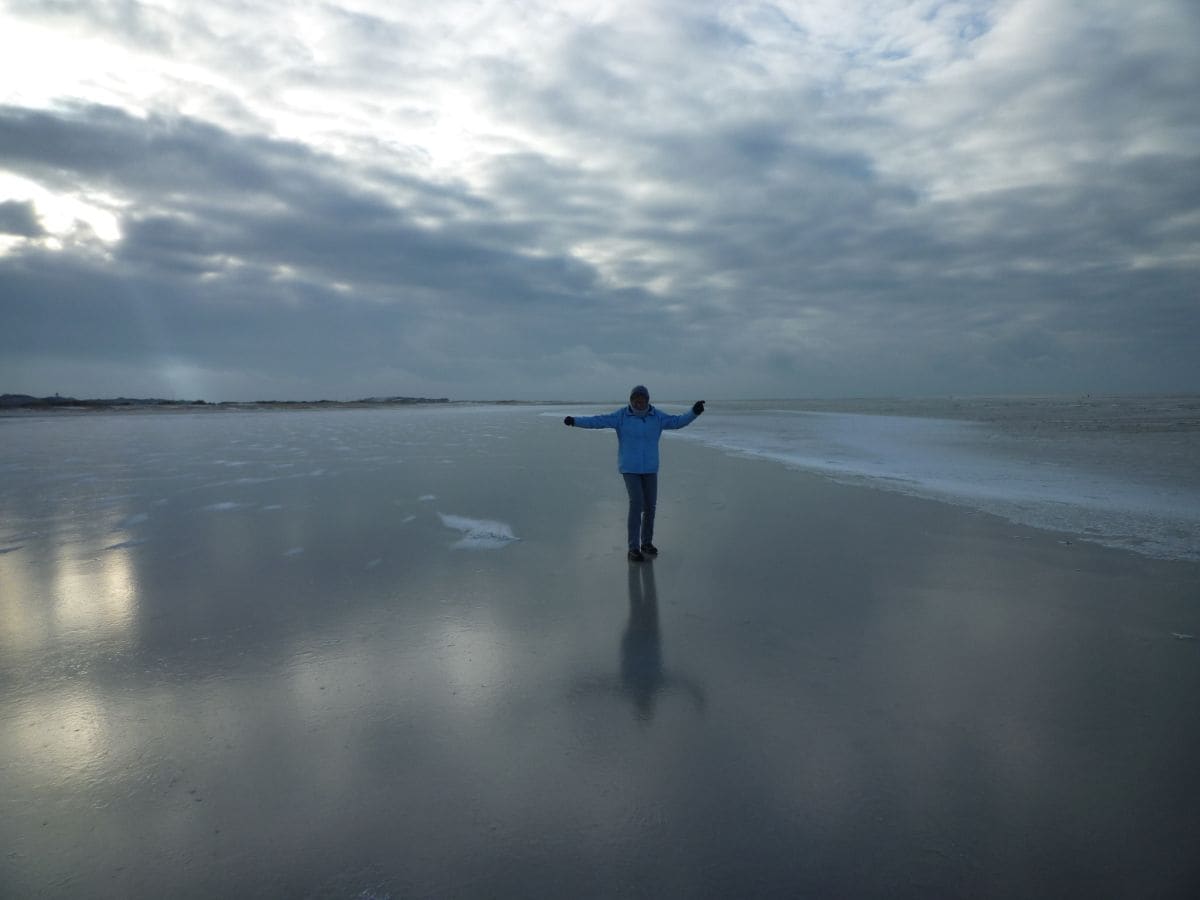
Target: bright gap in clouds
61 215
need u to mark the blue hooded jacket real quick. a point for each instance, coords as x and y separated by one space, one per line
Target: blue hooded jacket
637 436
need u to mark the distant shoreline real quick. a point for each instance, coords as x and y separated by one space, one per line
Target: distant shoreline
25 401
18 403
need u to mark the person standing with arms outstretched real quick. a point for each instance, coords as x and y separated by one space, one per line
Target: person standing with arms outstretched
639 426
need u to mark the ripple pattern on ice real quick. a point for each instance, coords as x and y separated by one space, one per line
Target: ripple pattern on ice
479 534
134 542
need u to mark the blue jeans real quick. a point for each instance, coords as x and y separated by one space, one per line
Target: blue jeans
643 497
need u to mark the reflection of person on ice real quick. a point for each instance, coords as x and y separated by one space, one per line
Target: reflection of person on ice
643 679
639 427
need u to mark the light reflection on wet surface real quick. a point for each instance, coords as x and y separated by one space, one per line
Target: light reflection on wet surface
243 655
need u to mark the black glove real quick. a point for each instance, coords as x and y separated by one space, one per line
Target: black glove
569 420
698 407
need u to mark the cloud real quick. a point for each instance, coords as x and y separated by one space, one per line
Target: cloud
19 218
537 199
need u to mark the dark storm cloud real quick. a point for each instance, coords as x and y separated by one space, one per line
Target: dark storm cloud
20 219
245 253
204 196
156 156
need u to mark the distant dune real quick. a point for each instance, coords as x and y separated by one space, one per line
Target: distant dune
25 401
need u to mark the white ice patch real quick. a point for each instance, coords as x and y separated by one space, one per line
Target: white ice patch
1062 481
135 519
293 551
479 534
373 563
427 498
225 506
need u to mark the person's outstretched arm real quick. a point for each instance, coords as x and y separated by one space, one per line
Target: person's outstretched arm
684 419
608 420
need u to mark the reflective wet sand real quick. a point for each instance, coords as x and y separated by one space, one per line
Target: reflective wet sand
296 654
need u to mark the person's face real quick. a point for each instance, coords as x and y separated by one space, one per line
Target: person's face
639 402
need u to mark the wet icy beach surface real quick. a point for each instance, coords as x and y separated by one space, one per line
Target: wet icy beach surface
399 653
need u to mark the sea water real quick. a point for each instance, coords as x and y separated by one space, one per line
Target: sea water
1119 471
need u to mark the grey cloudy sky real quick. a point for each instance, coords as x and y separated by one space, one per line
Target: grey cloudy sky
486 199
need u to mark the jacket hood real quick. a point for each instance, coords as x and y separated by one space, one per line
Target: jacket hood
643 413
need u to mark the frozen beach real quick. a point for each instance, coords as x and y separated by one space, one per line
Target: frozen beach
887 651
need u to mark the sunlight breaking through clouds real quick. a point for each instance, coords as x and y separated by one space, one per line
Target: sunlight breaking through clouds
60 216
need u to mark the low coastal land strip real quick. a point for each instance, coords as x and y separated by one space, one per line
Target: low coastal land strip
57 402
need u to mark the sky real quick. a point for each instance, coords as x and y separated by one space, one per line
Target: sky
485 199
